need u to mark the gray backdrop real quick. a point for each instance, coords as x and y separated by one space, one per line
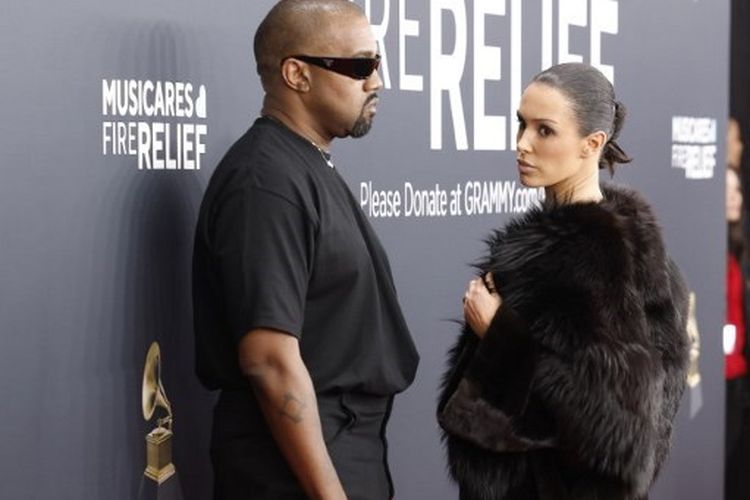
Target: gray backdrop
95 254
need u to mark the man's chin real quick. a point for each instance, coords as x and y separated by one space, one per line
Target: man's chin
360 128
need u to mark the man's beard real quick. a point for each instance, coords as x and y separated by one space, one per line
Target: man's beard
363 124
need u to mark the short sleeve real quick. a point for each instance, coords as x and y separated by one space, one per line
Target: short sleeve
264 245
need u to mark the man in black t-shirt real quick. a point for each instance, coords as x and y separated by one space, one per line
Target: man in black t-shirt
296 316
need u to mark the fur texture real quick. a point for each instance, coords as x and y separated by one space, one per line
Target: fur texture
572 392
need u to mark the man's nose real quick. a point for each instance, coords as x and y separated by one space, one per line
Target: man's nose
374 82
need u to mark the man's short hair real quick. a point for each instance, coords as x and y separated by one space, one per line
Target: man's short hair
290 27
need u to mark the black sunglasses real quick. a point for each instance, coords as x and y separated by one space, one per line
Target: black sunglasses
359 68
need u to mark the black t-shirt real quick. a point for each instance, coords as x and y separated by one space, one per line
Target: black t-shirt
282 244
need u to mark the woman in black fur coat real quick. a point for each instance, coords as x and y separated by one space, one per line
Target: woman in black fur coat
568 374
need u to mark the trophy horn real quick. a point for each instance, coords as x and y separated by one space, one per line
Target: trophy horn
153 394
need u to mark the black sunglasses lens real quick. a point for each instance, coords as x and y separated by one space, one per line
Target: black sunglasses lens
363 68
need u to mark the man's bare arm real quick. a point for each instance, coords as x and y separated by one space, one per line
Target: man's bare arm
272 362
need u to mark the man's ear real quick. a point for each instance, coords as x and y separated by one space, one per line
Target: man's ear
593 143
295 74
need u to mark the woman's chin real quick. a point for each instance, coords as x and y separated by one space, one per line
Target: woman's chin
529 181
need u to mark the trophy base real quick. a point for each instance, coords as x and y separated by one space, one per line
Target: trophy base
168 489
159 455
159 475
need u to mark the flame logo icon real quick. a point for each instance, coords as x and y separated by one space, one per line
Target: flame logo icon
200 102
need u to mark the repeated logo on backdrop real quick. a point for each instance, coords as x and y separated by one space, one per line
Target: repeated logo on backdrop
161 124
694 146
497 63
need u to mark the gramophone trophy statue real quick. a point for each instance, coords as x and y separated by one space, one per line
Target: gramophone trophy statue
694 372
159 480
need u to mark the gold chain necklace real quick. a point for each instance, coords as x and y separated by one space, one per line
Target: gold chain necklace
326 156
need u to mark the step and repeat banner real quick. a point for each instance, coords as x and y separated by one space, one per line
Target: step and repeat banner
114 115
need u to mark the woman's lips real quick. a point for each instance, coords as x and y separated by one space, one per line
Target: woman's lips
525 167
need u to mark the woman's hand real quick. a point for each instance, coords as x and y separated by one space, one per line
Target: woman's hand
481 303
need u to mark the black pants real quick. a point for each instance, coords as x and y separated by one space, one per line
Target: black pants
248 465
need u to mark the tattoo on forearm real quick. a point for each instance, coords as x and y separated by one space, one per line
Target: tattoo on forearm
292 408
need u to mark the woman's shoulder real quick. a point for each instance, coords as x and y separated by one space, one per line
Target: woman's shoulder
627 202
582 237
620 210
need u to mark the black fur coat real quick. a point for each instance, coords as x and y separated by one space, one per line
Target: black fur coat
572 392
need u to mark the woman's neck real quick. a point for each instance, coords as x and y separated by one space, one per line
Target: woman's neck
581 190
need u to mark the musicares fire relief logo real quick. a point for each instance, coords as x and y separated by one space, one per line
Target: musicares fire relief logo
694 146
160 123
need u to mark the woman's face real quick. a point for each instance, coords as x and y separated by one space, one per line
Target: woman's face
734 144
734 196
549 148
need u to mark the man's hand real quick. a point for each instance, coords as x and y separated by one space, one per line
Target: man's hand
481 303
